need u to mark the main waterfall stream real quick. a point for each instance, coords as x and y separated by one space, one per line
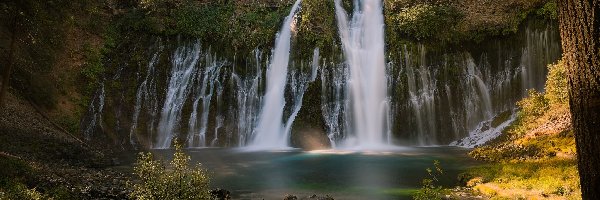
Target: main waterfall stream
270 133
363 45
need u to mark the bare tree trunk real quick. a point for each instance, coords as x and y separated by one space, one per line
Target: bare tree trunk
11 61
580 33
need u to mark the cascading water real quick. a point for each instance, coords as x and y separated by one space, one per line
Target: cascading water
363 44
270 133
422 95
427 96
197 129
541 48
298 84
146 94
219 117
333 101
96 109
248 100
484 92
179 88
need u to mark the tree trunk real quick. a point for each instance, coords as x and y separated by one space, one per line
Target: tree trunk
580 32
11 60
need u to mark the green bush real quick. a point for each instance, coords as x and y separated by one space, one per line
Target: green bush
557 87
176 181
429 189
425 21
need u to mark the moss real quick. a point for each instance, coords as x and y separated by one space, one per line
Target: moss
549 10
501 118
92 70
240 26
317 27
426 21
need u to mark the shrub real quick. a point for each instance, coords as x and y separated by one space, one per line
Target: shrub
533 106
557 87
424 21
429 190
176 181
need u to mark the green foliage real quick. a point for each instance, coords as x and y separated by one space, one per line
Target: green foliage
557 87
429 189
536 110
202 21
553 177
317 26
241 26
425 21
533 106
176 181
92 69
549 10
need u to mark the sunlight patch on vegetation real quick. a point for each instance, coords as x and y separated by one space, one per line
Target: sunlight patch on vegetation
535 157
553 178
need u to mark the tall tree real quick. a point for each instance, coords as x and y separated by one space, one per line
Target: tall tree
580 32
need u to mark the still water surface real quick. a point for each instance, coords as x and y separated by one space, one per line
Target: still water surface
342 174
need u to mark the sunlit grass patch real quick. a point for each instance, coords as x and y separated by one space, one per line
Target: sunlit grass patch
548 178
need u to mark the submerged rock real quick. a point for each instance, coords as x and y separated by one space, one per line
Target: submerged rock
220 194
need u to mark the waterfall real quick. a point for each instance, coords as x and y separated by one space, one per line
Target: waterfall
146 94
540 48
538 51
333 103
269 132
299 83
248 100
420 96
179 87
197 129
363 44
219 117
95 110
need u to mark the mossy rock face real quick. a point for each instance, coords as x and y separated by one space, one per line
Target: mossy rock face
317 28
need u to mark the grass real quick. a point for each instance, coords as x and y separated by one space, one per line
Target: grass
535 179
